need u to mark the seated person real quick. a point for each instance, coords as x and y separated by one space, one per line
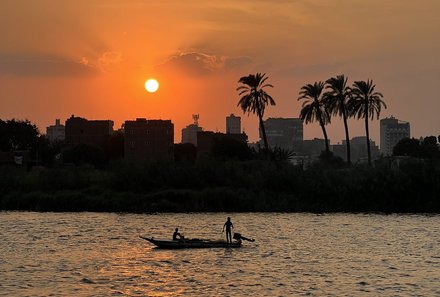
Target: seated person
177 234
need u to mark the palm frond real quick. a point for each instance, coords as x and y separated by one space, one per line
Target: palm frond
253 97
366 102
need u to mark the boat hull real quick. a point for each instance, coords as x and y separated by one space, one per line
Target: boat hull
191 243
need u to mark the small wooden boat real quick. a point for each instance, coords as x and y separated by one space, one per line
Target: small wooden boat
191 243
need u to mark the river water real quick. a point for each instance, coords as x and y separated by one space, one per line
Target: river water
100 254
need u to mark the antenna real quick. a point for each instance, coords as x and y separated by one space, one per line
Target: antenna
196 119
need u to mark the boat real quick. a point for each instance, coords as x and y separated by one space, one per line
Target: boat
191 243
197 243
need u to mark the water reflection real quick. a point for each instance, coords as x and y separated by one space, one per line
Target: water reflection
90 254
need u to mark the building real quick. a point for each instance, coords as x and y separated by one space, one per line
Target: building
286 133
189 133
148 140
313 148
391 132
340 150
56 132
82 131
233 124
358 149
206 140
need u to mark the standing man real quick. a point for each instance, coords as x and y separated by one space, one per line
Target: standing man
228 225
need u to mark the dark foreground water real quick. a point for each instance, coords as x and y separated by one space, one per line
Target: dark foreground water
91 254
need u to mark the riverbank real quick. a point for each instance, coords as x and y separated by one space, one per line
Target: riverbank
211 186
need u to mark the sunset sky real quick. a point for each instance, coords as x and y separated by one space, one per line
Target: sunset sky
91 58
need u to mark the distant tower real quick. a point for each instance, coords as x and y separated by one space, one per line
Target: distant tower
189 133
391 132
56 132
233 124
196 119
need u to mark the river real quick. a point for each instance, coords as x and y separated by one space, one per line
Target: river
100 254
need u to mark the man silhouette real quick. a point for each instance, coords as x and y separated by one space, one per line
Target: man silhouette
177 234
228 225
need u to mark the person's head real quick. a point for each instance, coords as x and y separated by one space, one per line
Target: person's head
177 229
229 218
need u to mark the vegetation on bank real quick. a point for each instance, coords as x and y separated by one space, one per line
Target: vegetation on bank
409 185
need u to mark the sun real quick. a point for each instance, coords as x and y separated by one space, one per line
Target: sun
151 85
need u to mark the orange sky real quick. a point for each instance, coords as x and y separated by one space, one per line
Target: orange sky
91 58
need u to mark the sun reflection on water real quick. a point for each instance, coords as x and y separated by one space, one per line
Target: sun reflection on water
101 255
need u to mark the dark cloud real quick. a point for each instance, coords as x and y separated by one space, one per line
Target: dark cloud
199 64
232 63
44 65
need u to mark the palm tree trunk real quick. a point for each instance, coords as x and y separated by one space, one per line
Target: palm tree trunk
263 130
327 148
367 132
347 138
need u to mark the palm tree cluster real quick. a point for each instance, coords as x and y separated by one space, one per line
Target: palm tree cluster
322 100
336 98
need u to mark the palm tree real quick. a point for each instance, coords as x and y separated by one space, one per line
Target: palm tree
313 108
254 98
366 103
336 99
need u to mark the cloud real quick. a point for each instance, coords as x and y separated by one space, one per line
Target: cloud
109 59
49 65
232 63
200 64
43 65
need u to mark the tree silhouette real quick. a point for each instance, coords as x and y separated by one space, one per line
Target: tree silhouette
313 108
426 148
366 103
254 98
407 147
18 135
336 99
429 148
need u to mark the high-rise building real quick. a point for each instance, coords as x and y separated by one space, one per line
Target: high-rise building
286 133
148 140
391 132
233 124
56 132
189 133
83 131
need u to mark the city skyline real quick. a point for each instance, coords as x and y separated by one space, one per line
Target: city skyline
189 133
92 59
